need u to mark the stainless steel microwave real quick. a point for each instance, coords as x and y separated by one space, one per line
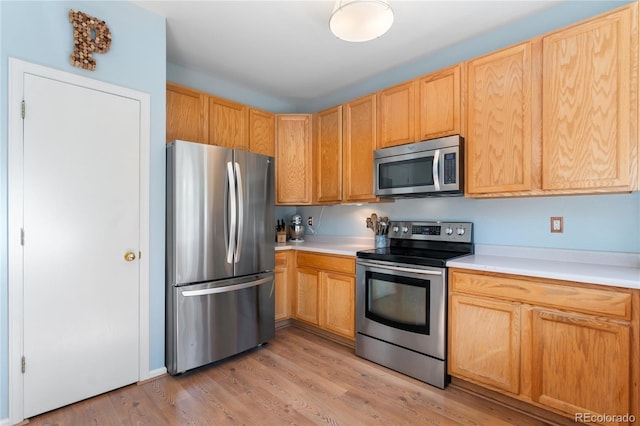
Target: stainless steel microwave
428 168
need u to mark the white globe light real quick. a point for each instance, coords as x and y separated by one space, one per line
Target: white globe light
361 20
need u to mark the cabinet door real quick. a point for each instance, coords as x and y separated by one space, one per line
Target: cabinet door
338 302
262 132
328 154
580 364
439 104
294 169
307 296
587 104
484 342
281 273
228 123
501 104
358 143
396 115
186 114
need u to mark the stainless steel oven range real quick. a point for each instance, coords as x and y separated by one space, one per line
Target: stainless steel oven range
401 298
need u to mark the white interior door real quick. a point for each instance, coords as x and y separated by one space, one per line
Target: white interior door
81 215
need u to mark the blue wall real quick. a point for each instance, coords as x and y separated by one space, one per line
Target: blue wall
591 222
227 89
40 32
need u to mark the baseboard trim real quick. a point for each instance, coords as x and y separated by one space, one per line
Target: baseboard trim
283 323
4 422
153 374
326 334
532 411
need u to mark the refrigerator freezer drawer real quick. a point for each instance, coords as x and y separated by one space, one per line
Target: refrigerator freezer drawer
212 321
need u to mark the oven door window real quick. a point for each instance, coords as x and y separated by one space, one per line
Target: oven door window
397 301
407 173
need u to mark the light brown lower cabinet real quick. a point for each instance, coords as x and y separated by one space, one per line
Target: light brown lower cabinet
325 292
567 347
282 276
491 354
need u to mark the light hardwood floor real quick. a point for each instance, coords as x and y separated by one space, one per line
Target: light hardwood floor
297 378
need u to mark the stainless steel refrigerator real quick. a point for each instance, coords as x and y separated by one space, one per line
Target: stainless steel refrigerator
220 253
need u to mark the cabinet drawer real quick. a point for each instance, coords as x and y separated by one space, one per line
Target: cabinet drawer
281 259
344 264
541 292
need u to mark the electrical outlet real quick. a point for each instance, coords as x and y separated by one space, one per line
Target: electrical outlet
310 221
557 225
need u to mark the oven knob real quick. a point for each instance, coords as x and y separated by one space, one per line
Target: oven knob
396 229
405 229
449 230
460 231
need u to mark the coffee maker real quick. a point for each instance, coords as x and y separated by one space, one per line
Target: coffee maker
296 229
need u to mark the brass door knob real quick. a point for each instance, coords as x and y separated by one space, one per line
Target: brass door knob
129 256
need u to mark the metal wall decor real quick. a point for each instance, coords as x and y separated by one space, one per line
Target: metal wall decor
90 35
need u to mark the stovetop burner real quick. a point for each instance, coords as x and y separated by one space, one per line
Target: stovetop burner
424 243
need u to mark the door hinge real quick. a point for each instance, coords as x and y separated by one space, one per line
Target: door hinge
24 365
21 236
23 108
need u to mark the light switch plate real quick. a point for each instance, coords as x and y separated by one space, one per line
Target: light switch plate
557 225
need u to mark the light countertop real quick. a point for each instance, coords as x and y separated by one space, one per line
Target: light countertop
330 244
605 268
592 267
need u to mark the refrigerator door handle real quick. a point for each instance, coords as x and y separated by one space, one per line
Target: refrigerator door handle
240 213
232 201
225 289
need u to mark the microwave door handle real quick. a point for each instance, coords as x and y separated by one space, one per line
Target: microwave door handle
436 170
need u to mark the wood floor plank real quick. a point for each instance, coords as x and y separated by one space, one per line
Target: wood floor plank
298 378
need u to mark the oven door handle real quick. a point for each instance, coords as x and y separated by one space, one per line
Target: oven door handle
401 269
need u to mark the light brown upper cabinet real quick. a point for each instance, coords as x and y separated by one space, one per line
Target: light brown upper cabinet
294 169
589 97
557 114
397 115
358 144
186 114
503 110
440 109
328 155
196 116
228 123
262 132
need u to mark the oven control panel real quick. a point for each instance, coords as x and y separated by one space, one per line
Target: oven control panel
459 232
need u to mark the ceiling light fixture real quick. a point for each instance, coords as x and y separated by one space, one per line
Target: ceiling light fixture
360 20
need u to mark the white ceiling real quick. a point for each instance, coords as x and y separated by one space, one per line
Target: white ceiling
284 49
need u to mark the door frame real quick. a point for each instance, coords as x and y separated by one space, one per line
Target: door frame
17 69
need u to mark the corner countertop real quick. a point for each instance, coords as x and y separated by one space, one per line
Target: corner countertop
330 244
592 267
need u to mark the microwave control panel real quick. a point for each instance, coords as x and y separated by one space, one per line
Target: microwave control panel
450 168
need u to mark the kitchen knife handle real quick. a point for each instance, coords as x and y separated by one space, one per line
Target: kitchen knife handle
233 219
